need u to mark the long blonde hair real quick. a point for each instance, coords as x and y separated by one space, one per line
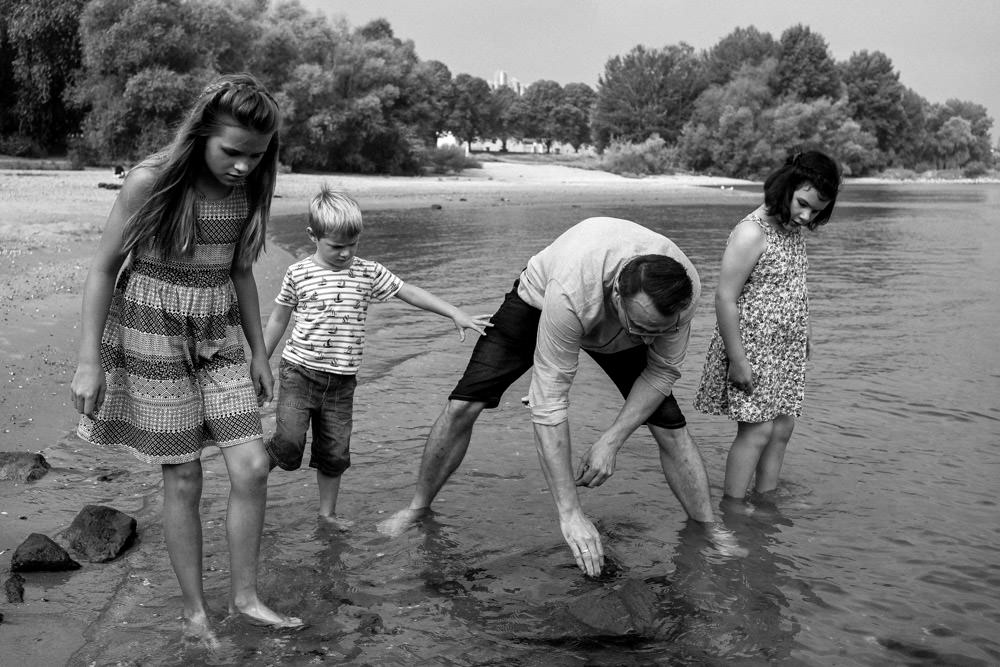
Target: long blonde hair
166 220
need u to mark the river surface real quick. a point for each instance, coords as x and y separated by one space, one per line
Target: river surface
881 547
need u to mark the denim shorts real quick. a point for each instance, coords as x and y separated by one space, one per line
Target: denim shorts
508 349
324 399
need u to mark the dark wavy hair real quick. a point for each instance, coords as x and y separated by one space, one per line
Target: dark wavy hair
166 221
660 277
813 167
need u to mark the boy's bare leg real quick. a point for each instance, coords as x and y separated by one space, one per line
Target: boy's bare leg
329 488
444 450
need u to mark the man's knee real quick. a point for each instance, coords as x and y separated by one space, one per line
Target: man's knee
460 414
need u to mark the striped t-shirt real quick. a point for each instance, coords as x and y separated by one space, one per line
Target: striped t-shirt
330 310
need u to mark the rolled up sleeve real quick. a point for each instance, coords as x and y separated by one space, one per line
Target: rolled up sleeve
557 356
664 357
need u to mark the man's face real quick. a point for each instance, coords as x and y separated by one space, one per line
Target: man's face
639 317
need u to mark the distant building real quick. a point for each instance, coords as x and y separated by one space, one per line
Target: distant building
502 80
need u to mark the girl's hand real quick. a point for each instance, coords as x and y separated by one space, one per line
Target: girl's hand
741 375
263 380
87 389
477 323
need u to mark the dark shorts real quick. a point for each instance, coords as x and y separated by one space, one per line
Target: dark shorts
508 349
324 399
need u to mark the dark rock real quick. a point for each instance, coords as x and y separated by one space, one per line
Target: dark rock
14 587
370 624
22 466
100 533
627 610
38 553
436 207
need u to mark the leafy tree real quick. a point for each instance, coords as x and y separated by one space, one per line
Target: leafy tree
427 97
741 47
470 117
875 98
955 142
538 107
573 115
645 92
42 38
806 70
505 114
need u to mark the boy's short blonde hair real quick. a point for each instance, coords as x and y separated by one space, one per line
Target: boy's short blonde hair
332 212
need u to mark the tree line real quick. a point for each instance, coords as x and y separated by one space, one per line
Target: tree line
105 81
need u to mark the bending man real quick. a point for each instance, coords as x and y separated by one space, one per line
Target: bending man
626 296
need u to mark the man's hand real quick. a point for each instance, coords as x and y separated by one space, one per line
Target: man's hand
584 541
597 464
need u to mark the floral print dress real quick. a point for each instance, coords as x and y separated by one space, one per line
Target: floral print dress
774 317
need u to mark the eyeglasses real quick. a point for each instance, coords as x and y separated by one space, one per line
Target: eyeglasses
631 327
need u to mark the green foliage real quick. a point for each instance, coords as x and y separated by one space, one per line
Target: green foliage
447 160
646 92
806 71
471 114
649 157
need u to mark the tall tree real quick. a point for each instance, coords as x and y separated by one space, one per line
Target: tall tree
43 37
741 47
573 115
875 98
538 106
646 92
806 70
470 109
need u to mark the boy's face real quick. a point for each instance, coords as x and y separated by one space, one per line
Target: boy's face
335 251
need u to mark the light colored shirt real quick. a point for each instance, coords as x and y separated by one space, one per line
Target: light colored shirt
330 310
570 281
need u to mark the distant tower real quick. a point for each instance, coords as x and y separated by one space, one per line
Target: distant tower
502 80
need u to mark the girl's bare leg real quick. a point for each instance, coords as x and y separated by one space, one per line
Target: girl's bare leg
769 465
745 452
248 466
182 485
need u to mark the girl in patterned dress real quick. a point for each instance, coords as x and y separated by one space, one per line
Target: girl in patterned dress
162 370
755 366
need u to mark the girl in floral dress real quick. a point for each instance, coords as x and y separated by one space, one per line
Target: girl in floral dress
755 366
162 370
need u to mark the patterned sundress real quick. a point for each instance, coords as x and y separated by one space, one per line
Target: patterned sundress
774 316
172 349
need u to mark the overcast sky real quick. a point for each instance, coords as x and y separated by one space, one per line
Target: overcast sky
941 48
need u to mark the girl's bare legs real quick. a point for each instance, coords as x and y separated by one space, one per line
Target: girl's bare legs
751 439
248 466
769 465
182 531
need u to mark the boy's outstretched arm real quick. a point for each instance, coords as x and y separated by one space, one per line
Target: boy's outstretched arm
276 325
421 298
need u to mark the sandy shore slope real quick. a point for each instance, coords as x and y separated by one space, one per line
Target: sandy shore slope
50 224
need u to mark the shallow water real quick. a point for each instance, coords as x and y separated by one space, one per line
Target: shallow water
879 548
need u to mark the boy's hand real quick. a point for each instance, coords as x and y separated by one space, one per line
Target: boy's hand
263 380
477 323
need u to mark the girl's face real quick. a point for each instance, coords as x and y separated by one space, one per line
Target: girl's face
233 152
806 204
335 251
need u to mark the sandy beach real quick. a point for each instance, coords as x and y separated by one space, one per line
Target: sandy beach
50 224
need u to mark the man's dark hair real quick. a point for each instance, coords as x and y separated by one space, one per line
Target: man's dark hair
663 279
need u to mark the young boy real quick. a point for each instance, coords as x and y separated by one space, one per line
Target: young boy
329 293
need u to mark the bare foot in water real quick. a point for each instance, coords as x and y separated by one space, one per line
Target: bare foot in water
196 630
399 522
336 522
259 614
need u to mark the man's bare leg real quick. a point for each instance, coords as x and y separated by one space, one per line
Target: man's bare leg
444 451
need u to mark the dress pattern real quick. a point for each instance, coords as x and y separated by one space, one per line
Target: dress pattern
774 317
172 349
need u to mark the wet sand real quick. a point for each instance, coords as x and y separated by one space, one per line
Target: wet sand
50 224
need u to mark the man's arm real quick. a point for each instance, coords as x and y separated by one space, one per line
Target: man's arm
554 453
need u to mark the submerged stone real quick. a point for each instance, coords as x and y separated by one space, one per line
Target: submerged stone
14 587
